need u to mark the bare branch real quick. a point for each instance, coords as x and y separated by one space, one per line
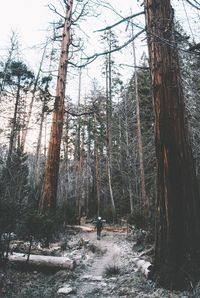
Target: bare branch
95 56
117 48
82 13
196 4
121 21
52 8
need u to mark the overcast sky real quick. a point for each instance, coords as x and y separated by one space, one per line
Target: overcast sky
29 19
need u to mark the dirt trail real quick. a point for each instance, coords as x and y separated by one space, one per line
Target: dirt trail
110 257
93 282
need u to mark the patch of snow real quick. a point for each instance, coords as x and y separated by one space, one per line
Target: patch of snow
65 290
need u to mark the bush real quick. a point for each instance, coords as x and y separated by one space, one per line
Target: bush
41 227
111 270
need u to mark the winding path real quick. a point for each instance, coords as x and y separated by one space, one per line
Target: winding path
93 283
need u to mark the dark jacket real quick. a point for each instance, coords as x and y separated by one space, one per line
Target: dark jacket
99 224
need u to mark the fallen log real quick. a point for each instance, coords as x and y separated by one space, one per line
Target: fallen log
43 261
143 266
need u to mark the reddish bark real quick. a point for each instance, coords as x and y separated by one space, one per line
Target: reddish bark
178 206
48 197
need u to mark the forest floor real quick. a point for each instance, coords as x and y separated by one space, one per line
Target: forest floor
104 268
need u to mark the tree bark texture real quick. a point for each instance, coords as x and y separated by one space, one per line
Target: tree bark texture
49 192
178 205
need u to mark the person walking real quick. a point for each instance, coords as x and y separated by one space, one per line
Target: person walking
99 227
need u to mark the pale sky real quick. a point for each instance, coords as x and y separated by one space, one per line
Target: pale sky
30 20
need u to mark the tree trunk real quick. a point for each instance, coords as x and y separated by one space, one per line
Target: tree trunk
38 148
49 192
14 124
177 246
77 155
97 169
130 190
108 128
25 130
144 201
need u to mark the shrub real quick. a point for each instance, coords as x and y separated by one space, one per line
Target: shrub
111 270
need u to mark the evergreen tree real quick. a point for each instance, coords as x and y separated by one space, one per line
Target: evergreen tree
14 191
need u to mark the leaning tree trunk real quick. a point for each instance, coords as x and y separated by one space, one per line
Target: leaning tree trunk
49 192
177 245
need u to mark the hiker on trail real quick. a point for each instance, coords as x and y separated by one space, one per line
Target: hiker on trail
99 226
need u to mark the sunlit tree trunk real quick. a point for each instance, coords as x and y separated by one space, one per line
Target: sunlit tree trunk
49 192
177 245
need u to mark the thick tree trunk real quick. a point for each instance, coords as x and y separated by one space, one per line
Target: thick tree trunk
49 192
178 205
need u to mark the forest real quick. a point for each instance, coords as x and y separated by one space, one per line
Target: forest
123 148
